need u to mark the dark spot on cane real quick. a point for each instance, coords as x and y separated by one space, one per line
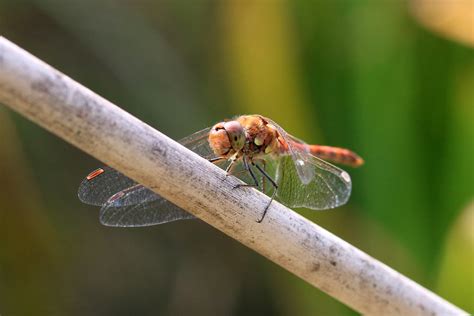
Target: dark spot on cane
334 263
41 85
316 266
158 150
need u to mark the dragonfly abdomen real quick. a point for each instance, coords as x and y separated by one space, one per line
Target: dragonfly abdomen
337 155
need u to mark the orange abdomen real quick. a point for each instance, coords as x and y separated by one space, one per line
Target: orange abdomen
337 155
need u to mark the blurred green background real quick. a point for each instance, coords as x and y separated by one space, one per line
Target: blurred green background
365 75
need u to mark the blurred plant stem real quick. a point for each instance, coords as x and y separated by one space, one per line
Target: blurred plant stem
456 278
458 256
261 52
262 59
27 238
458 161
385 118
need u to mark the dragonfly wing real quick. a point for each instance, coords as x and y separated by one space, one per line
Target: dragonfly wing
330 186
198 142
126 203
304 169
99 189
138 206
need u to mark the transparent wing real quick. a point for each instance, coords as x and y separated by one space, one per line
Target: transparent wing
126 203
304 168
307 181
139 206
97 190
330 186
198 142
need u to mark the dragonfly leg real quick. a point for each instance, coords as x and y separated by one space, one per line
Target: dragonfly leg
230 167
275 187
249 169
266 175
216 159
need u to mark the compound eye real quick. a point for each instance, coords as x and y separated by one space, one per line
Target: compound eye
218 127
236 134
219 140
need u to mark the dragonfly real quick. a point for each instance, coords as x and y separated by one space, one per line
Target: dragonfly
251 147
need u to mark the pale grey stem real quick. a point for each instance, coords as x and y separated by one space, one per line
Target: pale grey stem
103 130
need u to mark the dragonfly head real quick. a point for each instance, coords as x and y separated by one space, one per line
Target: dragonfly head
227 138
